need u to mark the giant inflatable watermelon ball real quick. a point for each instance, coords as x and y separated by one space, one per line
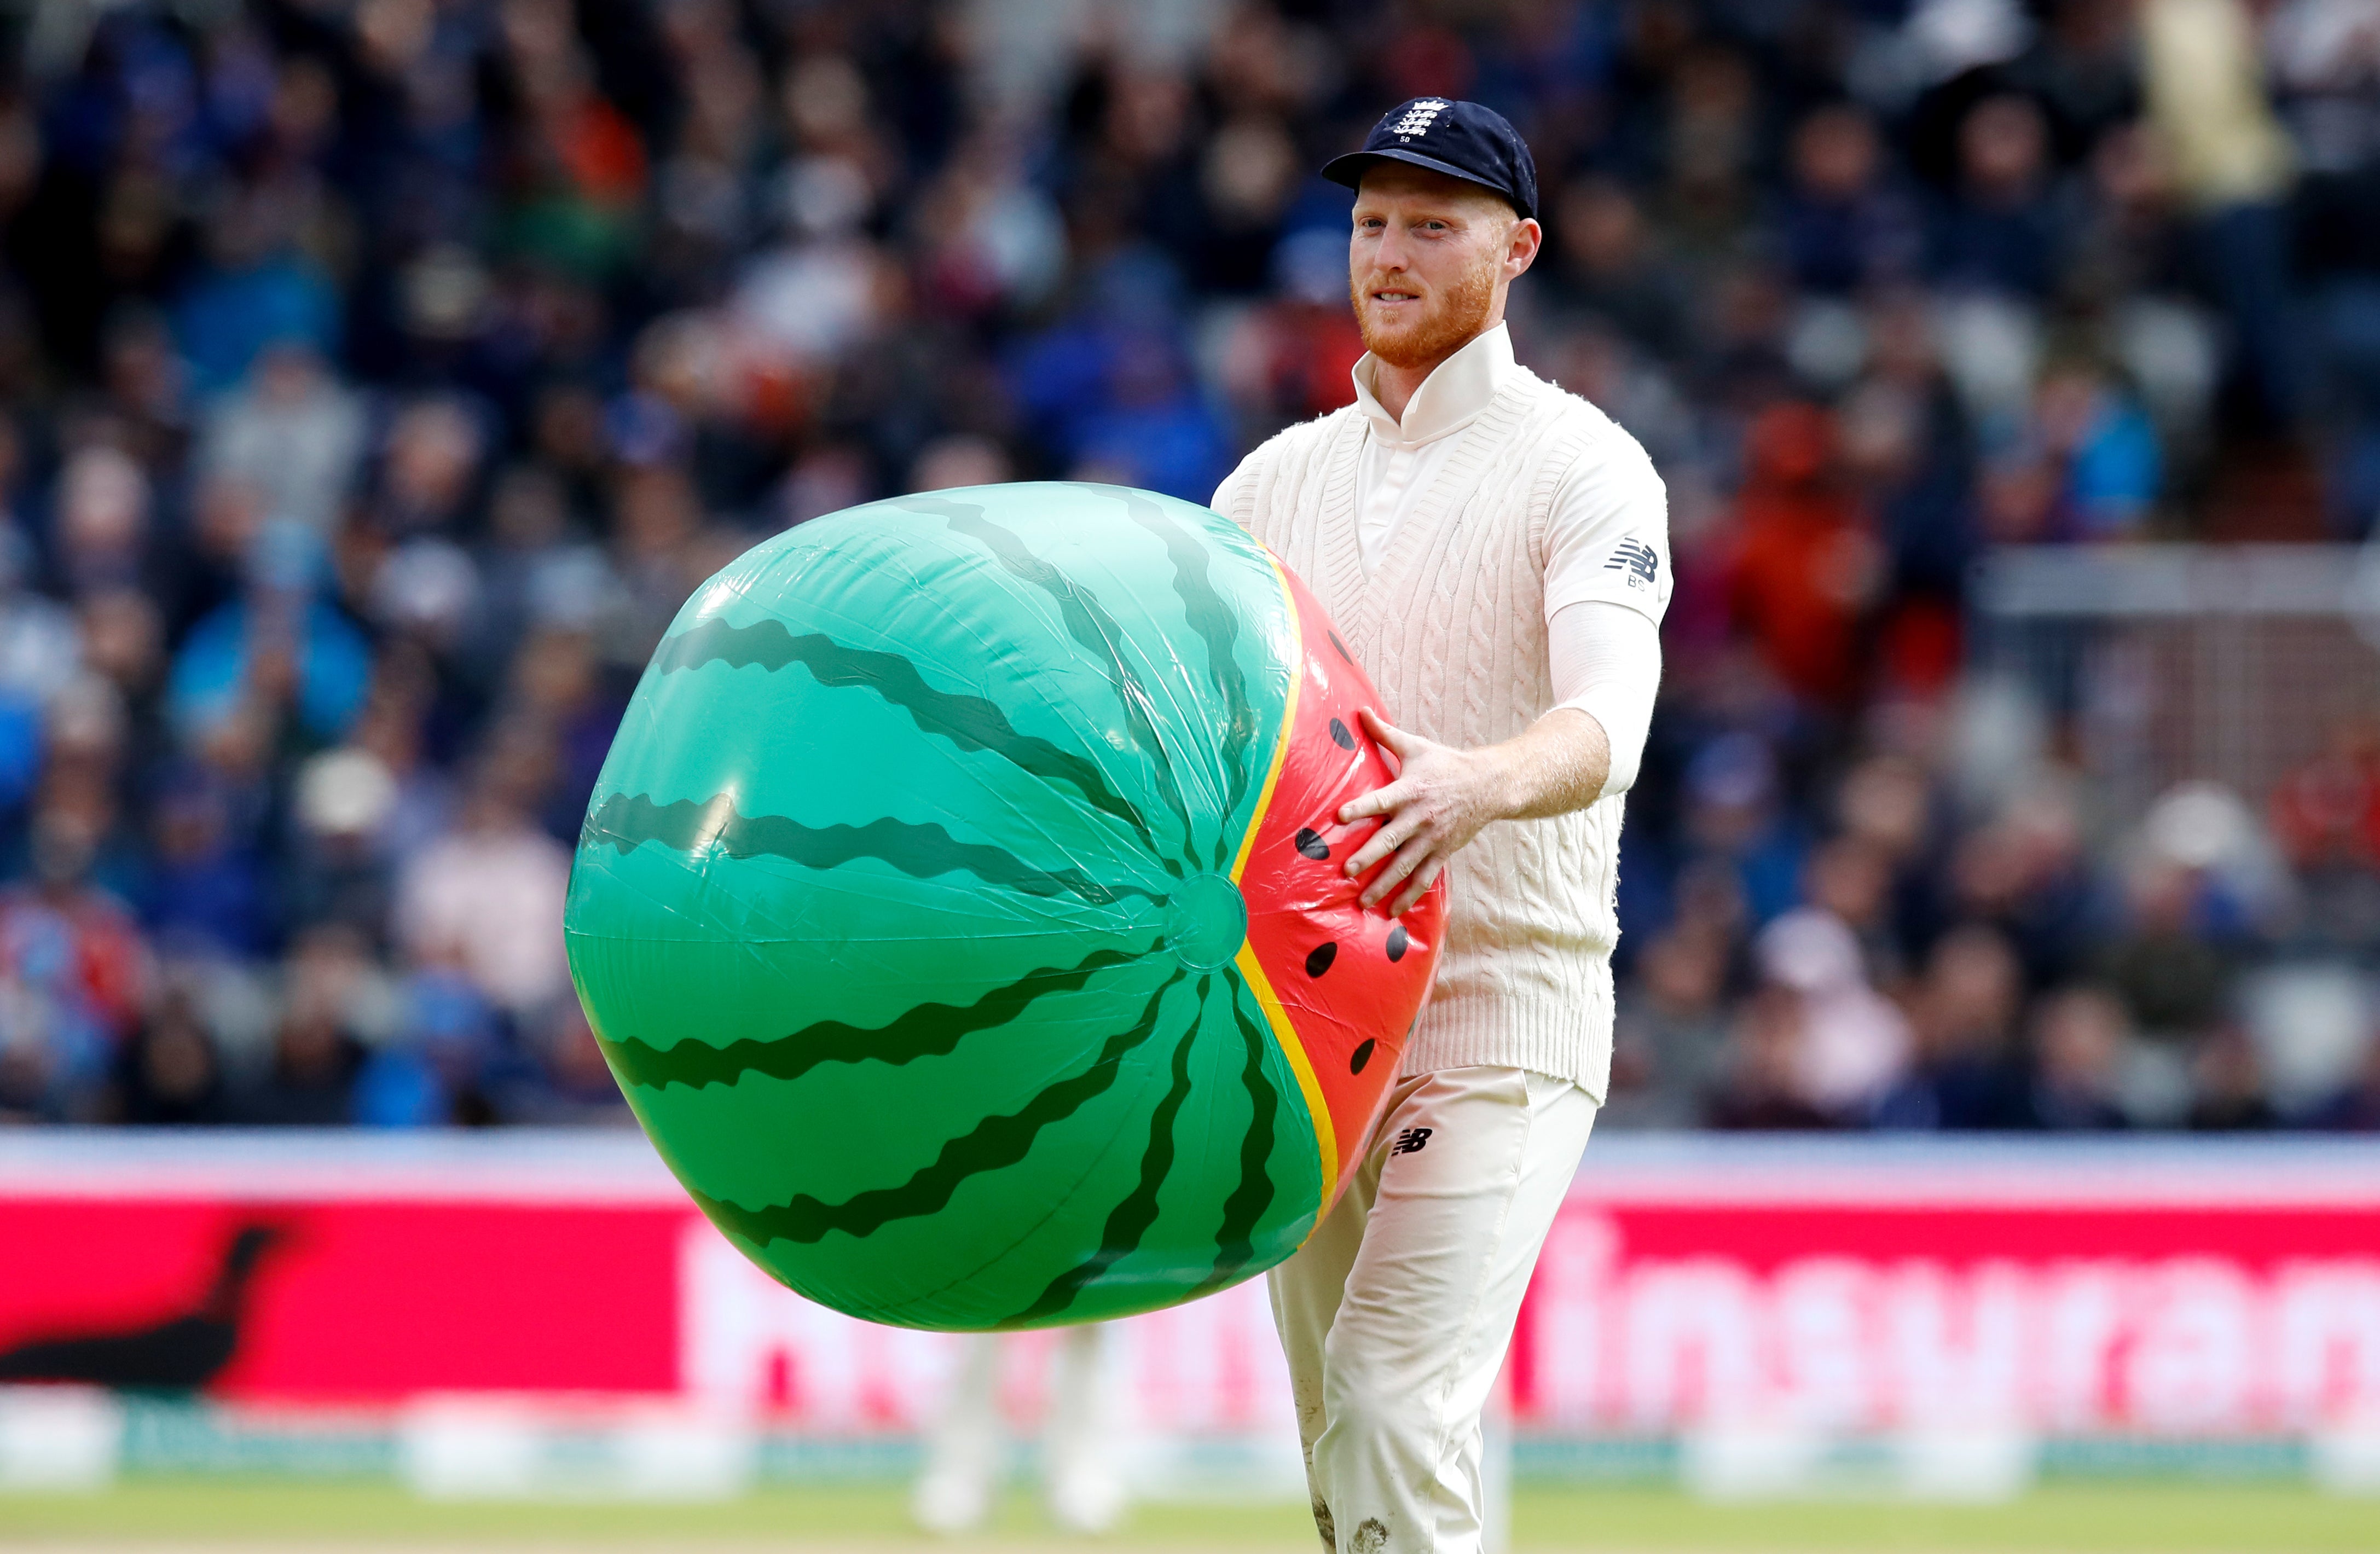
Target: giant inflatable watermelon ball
962 907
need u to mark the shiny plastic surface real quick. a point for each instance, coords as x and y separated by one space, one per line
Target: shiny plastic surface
961 909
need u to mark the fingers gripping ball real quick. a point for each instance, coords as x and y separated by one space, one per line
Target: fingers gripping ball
962 907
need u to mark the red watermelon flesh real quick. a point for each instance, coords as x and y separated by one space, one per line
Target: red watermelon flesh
1307 931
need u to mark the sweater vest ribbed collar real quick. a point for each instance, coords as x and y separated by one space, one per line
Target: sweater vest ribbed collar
1487 437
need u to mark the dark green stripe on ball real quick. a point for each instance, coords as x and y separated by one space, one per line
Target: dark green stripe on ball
921 851
1235 1243
1218 626
970 721
1089 623
994 1143
929 1030
1131 1219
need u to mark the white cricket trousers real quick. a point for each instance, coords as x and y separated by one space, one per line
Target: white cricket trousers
1397 1313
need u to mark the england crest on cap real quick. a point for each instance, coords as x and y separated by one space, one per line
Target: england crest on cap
1447 135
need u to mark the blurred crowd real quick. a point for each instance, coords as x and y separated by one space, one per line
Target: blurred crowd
377 377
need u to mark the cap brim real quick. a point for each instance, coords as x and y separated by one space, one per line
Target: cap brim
1349 170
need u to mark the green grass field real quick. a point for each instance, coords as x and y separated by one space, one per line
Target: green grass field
2138 1518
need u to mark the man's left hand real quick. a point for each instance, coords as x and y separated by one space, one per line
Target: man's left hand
1440 799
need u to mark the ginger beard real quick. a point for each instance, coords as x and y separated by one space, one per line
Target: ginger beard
1450 316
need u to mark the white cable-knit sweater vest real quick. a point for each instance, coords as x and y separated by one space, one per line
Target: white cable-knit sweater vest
1451 629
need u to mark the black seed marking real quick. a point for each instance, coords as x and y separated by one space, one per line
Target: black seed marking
970 721
992 1144
1236 1242
1090 626
919 851
1318 960
1310 843
1211 616
1342 647
1363 1056
929 1030
1399 939
1340 735
1130 1219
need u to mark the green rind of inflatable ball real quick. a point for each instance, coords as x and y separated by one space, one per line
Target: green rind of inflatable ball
961 907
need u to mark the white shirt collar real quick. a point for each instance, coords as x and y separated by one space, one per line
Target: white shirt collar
1449 398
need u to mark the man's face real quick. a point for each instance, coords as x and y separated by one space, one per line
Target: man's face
1429 262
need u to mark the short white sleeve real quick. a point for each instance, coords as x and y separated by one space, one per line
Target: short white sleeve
1608 537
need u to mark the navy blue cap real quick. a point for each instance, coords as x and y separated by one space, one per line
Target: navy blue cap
1459 140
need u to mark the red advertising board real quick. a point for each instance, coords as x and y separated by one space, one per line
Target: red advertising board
2179 1288
2171 1289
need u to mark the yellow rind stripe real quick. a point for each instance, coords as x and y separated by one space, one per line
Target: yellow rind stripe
1326 1138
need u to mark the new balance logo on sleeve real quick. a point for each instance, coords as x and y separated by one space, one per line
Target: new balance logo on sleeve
1639 561
1410 1142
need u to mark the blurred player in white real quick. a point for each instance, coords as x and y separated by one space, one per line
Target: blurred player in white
964 1452
1495 552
